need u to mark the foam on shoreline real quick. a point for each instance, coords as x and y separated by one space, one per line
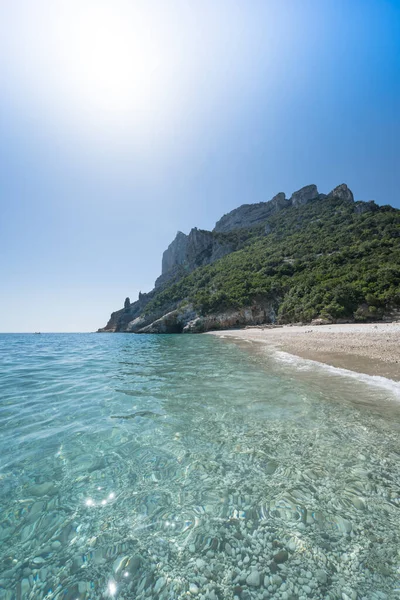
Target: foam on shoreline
307 364
370 349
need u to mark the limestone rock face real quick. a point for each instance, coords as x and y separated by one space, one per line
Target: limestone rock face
199 247
250 215
186 320
112 323
136 324
120 319
187 252
363 207
172 322
257 314
279 201
306 194
204 248
246 215
175 254
342 192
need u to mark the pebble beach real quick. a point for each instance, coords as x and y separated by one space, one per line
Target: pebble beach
371 348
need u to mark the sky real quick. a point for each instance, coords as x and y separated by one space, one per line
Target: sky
122 122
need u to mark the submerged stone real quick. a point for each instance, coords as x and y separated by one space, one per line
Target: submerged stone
281 557
42 489
193 589
159 584
254 579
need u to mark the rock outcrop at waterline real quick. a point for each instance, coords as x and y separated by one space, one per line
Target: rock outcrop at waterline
192 296
187 320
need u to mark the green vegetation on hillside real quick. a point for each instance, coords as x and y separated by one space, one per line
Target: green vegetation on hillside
323 259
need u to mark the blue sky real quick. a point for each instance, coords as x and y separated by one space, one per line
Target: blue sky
125 121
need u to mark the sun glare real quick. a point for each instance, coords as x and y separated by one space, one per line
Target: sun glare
111 65
122 74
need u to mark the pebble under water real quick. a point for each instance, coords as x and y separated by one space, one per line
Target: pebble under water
173 467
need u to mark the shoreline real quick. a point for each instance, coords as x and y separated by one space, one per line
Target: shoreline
368 348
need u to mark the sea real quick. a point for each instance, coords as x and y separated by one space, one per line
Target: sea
193 466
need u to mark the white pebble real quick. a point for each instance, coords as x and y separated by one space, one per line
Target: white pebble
193 589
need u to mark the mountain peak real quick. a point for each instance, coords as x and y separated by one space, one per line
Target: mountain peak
343 192
251 215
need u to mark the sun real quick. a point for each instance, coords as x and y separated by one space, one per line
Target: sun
98 70
110 63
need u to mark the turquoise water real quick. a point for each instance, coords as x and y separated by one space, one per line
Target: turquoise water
190 466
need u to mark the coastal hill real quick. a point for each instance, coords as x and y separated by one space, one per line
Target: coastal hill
309 257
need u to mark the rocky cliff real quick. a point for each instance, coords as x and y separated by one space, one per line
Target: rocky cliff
187 252
203 285
250 215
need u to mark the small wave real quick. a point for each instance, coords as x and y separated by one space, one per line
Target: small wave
305 364
139 413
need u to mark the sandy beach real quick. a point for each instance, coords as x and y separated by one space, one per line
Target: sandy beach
369 348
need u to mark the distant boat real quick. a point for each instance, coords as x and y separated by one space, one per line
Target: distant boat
37 332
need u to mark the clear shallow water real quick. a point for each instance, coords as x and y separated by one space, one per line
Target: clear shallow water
188 466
